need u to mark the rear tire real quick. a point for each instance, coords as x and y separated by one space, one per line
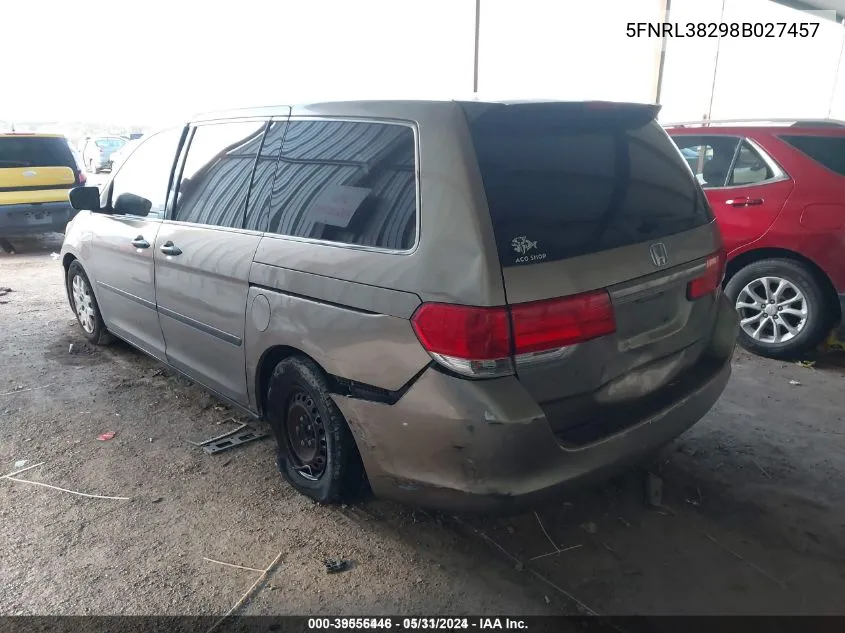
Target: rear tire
316 452
782 308
85 307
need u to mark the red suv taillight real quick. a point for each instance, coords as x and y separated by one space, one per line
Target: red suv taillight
482 342
711 280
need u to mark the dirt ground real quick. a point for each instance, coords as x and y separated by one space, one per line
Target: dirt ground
751 518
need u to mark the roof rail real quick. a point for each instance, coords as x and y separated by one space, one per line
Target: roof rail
791 122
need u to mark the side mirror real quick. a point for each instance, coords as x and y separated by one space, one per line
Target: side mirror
85 198
130 204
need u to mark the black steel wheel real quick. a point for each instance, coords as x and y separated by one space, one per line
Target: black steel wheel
306 436
316 452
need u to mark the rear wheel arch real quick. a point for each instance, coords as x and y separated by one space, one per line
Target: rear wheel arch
749 257
264 371
351 479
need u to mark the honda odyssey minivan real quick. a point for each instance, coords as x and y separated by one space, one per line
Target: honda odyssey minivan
469 305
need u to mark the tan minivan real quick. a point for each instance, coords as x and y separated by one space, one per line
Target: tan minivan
470 305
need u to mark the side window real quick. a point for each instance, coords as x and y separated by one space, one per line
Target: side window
218 168
749 168
146 172
709 157
347 182
262 180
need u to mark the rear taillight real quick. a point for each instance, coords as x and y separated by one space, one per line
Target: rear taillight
470 341
541 326
482 342
711 281
81 178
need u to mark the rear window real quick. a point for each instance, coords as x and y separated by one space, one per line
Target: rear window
563 180
826 150
35 151
110 143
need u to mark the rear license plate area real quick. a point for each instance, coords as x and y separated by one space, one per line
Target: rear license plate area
39 217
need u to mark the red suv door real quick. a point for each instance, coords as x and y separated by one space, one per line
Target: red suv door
745 186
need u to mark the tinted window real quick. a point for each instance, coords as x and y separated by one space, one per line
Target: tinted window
262 179
215 179
35 151
353 183
563 181
146 172
826 150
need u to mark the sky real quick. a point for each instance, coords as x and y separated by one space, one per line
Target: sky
154 61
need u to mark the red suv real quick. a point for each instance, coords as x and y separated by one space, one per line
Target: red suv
778 192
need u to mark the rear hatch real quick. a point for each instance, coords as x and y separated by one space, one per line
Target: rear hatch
610 255
36 169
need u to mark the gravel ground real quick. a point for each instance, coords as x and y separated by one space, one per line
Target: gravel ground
751 518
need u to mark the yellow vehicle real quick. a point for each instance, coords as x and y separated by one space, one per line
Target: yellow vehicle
36 173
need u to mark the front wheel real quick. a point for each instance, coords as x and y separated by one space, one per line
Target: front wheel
85 306
317 454
781 306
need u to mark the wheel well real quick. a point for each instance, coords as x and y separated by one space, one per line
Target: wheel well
267 363
67 260
736 264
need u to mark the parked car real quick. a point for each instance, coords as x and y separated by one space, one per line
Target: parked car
120 155
476 304
97 152
36 173
778 192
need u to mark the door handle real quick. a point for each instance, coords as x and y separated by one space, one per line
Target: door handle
140 242
744 202
169 249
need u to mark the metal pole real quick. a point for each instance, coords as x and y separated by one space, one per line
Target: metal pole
836 75
477 34
667 4
715 66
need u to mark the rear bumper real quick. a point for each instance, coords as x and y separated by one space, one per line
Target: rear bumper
487 446
29 219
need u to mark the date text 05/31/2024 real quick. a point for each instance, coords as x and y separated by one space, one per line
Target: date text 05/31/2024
416 623
722 29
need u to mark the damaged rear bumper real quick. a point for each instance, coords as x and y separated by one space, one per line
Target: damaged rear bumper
491 449
487 446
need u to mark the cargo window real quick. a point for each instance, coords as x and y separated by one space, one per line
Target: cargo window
562 180
23 151
346 182
828 151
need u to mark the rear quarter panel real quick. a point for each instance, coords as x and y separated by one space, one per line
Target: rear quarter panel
353 331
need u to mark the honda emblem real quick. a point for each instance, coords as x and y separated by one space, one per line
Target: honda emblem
659 256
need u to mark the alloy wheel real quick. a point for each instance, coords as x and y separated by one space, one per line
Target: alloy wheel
83 302
772 310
